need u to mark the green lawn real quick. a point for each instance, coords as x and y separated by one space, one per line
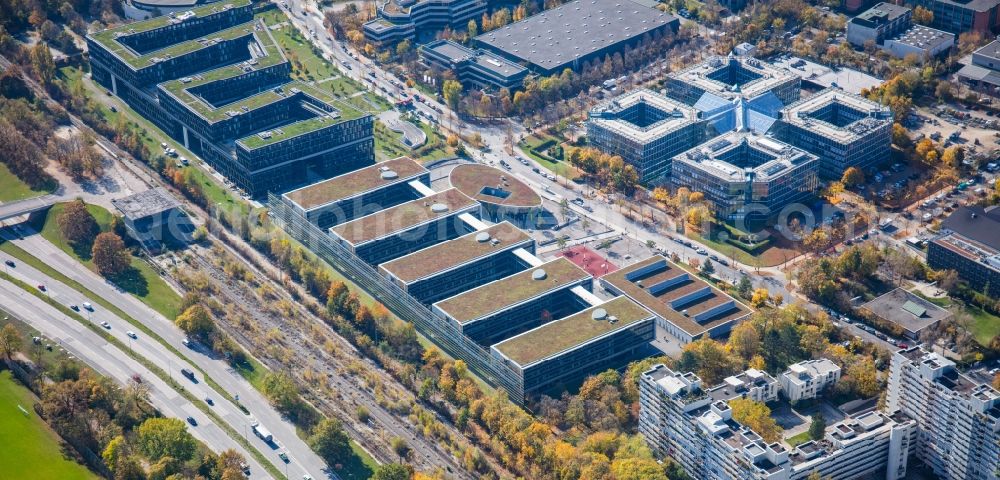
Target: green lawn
562 169
795 440
13 189
141 280
984 325
30 448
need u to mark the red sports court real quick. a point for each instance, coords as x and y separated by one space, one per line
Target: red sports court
589 260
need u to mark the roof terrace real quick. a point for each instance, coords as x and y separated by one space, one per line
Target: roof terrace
571 332
357 182
742 156
837 114
402 217
500 294
734 77
444 256
643 115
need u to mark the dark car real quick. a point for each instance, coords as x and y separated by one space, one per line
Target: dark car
192 421
10 263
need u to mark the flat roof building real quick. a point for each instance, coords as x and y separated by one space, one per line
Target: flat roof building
883 21
921 42
575 32
958 418
844 130
478 68
694 425
747 177
215 80
685 306
646 129
360 192
983 73
565 351
809 378
446 269
407 227
154 217
498 310
970 245
420 19
960 16
501 196
731 78
911 313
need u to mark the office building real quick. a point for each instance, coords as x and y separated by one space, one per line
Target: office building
747 177
809 378
501 196
731 78
576 32
844 130
360 192
646 129
959 419
686 306
420 19
154 218
694 425
908 312
891 27
563 352
476 69
960 16
983 73
881 22
969 244
449 268
407 227
520 302
216 81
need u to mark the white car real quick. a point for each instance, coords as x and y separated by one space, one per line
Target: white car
106 325
88 306
131 335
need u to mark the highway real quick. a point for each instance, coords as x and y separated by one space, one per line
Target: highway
107 359
303 459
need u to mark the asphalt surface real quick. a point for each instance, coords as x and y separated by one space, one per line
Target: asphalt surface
107 359
302 459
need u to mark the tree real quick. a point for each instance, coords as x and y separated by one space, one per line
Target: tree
401 448
195 321
392 471
128 468
853 177
744 340
923 16
757 416
759 298
330 442
76 223
451 90
41 61
472 28
635 468
229 464
707 268
165 437
818 427
10 341
279 388
744 288
109 254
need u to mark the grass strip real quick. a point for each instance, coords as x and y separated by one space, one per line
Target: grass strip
156 370
27 258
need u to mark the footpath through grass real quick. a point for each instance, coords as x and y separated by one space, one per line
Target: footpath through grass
30 448
13 189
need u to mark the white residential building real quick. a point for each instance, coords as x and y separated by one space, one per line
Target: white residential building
959 419
805 380
694 426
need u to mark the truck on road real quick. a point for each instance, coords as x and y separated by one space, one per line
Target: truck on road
263 433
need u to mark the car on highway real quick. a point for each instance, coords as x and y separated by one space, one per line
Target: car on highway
41 287
284 457
192 421
702 251
10 263
209 401
74 308
131 335
88 306
107 326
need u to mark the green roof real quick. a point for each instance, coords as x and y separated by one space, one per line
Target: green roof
109 38
355 182
402 217
495 296
570 332
914 308
344 113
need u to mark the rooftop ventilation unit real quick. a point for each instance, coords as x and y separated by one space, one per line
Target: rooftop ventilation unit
483 237
389 175
439 208
539 274
599 314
